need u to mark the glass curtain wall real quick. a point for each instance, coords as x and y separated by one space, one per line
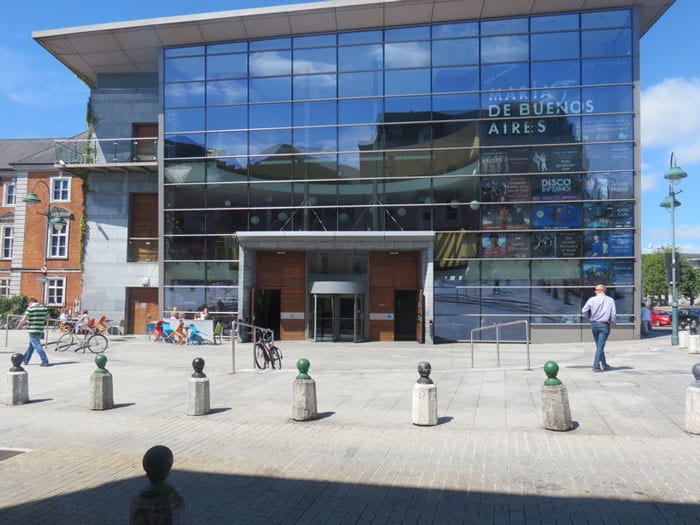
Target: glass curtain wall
512 139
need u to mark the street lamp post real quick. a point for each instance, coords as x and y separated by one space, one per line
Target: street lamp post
674 175
53 220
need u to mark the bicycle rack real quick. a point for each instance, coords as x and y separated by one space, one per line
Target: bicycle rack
234 336
498 339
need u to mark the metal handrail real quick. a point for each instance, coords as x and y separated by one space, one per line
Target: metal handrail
266 332
498 339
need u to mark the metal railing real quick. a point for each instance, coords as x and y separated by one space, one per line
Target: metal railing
106 151
497 327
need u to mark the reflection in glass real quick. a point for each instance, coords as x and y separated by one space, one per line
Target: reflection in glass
449 79
184 248
610 156
185 196
227 91
190 119
270 115
612 99
270 43
407 81
227 47
455 52
314 86
314 113
186 68
227 118
606 42
227 195
315 139
361 37
181 172
318 60
509 48
227 66
313 40
270 63
183 94
607 70
407 54
183 51
185 145
268 89
368 83
553 23
407 33
548 46
270 142
504 76
276 167
357 58
227 143
606 18
561 73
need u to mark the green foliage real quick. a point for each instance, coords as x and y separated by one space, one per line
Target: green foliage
13 305
690 281
654 274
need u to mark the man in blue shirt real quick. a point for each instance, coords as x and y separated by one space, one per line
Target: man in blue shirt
601 311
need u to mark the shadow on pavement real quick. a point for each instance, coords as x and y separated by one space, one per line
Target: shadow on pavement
219 498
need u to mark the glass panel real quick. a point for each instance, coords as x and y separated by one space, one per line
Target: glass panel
227 195
554 216
184 51
189 68
227 169
357 58
613 99
407 33
408 164
504 26
222 248
609 156
455 79
222 273
227 66
189 145
608 214
318 60
186 248
228 47
271 43
557 159
516 160
620 185
315 167
504 76
267 89
184 119
187 222
271 194
606 42
608 128
313 40
227 117
455 161
455 106
272 168
227 143
270 63
360 37
407 54
183 273
367 164
407 108
360 111
606 19
554 45
556 244
354 138
553 23
227 92
505 217
407 81
504 48
190 94
314 113
180 172
607 70
517 272
603 243
404 135
185 196
456 29
270 115
315 139
556 74
370 83
314 86
270 141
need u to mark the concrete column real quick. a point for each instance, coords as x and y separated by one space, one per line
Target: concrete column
17 382
424 409
556 412
304 406
198 398
101 390
692 403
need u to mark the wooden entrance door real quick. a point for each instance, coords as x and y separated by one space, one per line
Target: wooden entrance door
143 309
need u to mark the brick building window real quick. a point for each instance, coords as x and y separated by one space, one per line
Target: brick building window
4 287
56 291
8 194
7 238
60 189
58 242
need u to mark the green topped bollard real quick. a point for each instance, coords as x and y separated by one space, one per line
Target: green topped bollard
158 502
101 391
556 413
304 395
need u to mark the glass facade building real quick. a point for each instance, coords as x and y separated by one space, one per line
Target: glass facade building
510 143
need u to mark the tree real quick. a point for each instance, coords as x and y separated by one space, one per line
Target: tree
689 282
654 283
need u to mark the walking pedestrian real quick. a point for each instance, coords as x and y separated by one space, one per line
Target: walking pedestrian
601 311
646 319
35 315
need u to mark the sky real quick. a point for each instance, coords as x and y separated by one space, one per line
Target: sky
39 97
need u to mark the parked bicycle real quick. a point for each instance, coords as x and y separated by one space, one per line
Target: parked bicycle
88 338
265 352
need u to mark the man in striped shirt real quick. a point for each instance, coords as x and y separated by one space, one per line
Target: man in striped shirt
35 315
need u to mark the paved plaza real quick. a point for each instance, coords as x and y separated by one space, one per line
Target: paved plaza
488 460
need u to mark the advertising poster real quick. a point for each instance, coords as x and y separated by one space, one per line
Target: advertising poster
556 188
568 244
623 272
608 215
505 217
595 272
557 159
595 186
493 245
595 244
607 128
544 244
620 244
515 160
518 245
505 189
553 216
620 185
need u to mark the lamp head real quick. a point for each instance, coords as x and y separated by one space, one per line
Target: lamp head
57 222
31 199
669 202
675 174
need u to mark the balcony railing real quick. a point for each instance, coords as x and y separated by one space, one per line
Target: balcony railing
106 151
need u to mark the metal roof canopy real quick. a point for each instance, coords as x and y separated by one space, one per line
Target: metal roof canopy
133 47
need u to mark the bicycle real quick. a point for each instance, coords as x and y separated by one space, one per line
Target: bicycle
265 351
91 340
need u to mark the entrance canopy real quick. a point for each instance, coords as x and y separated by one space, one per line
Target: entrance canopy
293 241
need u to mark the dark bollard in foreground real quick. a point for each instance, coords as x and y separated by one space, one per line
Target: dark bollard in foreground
101 390
692 403
304 397
198 398
17 382
158 503
556 413
424 407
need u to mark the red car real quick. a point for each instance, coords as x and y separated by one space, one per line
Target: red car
660 318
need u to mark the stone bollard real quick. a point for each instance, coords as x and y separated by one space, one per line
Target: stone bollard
101 394
304 399
198 400
158 502
693 344
692 403
556 413
17 382
683 338
424 410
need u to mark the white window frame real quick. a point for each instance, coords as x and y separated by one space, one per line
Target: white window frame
60 189
4 287
8 239
56 291
58 242
9 193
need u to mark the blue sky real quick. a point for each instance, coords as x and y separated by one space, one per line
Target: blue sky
39 97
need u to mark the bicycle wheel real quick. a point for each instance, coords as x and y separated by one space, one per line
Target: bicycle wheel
97 343
276 357
65 342
260 356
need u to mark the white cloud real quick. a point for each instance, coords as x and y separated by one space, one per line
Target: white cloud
670 117
649 178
